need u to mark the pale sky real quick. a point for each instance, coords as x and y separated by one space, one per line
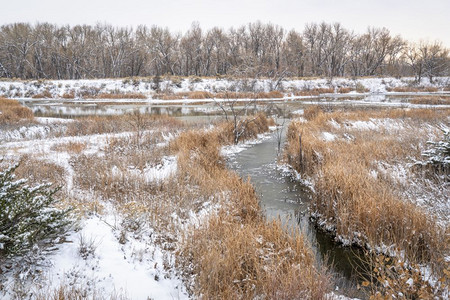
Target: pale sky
412 19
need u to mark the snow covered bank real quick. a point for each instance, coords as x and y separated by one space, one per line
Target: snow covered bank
88 89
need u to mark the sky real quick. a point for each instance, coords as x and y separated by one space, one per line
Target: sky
414 20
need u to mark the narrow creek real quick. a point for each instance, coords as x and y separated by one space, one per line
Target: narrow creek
282 197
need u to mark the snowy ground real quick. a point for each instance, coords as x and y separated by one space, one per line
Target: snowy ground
145 86
100 257
96 258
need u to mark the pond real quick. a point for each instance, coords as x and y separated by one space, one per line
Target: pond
64 108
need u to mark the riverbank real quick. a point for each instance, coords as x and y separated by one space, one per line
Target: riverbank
173 89
158 214
367 189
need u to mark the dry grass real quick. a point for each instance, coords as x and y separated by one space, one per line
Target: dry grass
70 95
38 171
345 90
120 96
44 95
411 89
77 292
72 147
236 253
111 124
184 95
12 111
220 95
341 90
431 100
247 260
360 206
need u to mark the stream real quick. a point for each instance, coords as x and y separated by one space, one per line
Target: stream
280 195
283 197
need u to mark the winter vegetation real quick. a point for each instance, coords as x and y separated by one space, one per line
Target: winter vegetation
172 89
380 180
154 212
134 205
47 51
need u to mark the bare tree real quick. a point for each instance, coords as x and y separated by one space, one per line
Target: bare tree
257 49
414 60
434 58
294 54
238 113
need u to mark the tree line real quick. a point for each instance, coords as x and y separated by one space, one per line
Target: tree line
50 51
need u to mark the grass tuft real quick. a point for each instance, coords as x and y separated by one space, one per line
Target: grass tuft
13 111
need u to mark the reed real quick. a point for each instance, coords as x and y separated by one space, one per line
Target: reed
236 253
352 195
11 111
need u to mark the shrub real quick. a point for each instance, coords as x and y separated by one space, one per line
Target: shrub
28 216
438 156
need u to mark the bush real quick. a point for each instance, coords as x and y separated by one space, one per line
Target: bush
28 217
438 156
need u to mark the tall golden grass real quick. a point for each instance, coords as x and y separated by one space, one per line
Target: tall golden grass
349 197
37 171
234 253
13 111
237 253
127 122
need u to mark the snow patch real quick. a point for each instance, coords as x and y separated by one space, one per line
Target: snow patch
135 269
161 171
328 137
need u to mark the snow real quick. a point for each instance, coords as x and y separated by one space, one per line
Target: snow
26 89
391 125
328 137
161 171
334 296
232 150
298 112
24 132
135 269
410 282
43 120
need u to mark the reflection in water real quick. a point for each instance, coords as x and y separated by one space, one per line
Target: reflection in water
66 109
